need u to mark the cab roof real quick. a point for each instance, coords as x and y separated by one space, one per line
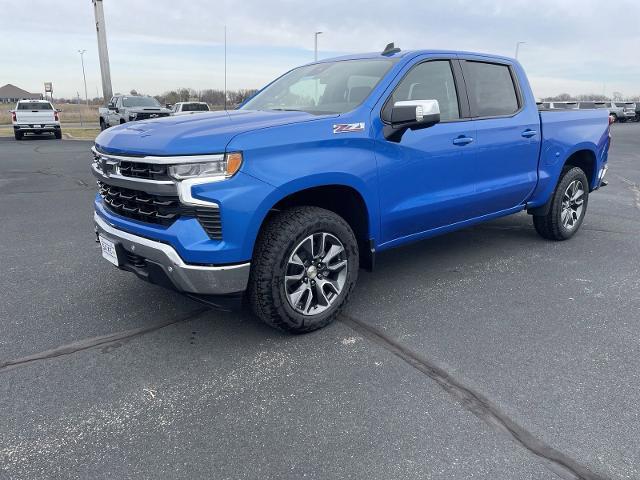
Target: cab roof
407 53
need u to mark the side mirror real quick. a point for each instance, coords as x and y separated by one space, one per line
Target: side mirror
413 115
58 110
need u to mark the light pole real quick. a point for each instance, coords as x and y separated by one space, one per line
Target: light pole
315 47
518 47
103 53
86 95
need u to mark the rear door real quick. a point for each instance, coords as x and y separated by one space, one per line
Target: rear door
507 135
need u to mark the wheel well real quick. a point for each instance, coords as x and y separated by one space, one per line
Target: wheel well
121 121
586 160
342 200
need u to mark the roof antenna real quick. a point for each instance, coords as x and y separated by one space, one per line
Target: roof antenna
390 49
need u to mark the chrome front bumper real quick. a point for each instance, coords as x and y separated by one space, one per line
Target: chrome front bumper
155 261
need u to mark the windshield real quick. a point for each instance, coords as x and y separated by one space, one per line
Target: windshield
332 87
34 106
195 107
140 102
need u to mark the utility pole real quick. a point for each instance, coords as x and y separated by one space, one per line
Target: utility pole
105 69
86 95
518 48
315 46
225 68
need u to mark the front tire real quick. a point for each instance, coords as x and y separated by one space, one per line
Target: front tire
58 134
305 266
103 125
568 207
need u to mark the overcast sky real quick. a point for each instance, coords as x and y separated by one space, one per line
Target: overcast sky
575 46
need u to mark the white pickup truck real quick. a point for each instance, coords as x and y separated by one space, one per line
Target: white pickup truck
186 108
35 116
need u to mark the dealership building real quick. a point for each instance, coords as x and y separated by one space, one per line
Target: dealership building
10 93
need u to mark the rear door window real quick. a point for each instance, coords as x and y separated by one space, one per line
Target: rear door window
492 90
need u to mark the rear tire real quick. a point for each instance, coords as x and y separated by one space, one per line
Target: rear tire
568 207
305 266
103 125
18 135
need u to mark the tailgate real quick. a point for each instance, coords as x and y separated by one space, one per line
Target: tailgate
34 116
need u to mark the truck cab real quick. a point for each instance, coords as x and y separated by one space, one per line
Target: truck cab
281 201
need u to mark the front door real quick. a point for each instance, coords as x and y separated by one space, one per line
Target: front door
427 179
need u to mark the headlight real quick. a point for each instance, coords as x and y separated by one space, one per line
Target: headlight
219 166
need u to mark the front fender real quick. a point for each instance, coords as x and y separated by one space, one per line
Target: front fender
312 181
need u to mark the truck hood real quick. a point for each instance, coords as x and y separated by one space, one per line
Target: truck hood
192 134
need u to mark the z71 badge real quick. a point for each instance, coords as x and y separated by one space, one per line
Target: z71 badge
348 127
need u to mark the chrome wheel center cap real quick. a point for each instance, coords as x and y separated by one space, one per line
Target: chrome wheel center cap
312 272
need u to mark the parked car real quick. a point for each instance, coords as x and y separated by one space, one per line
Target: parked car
182 108
130 108
35 116
593 104
563 105
637 112
331 164
622 111
629 110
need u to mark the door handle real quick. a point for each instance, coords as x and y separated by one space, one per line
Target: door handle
529 133
462 140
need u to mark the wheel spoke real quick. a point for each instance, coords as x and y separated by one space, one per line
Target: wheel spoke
323 241
565 217
307 304
294 278
337 266
331 284
296 260
296 295
333 252
321 297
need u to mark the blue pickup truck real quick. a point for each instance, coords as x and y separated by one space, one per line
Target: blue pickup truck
281 201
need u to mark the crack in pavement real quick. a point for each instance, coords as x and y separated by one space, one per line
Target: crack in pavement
558 462
634 187
92 342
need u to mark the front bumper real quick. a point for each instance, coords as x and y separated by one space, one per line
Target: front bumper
159 263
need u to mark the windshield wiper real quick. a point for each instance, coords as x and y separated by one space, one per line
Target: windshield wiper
286 110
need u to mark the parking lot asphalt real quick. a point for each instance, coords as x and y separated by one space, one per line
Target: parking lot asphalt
488 353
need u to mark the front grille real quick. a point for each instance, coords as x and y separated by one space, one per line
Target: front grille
163 210
157 209
146 115
148 171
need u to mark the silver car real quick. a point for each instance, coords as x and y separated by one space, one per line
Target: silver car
622 111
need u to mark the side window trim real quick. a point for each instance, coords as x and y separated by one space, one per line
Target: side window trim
473 108
458 80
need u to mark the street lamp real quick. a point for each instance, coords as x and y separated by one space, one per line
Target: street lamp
315 50
86 95
518 47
